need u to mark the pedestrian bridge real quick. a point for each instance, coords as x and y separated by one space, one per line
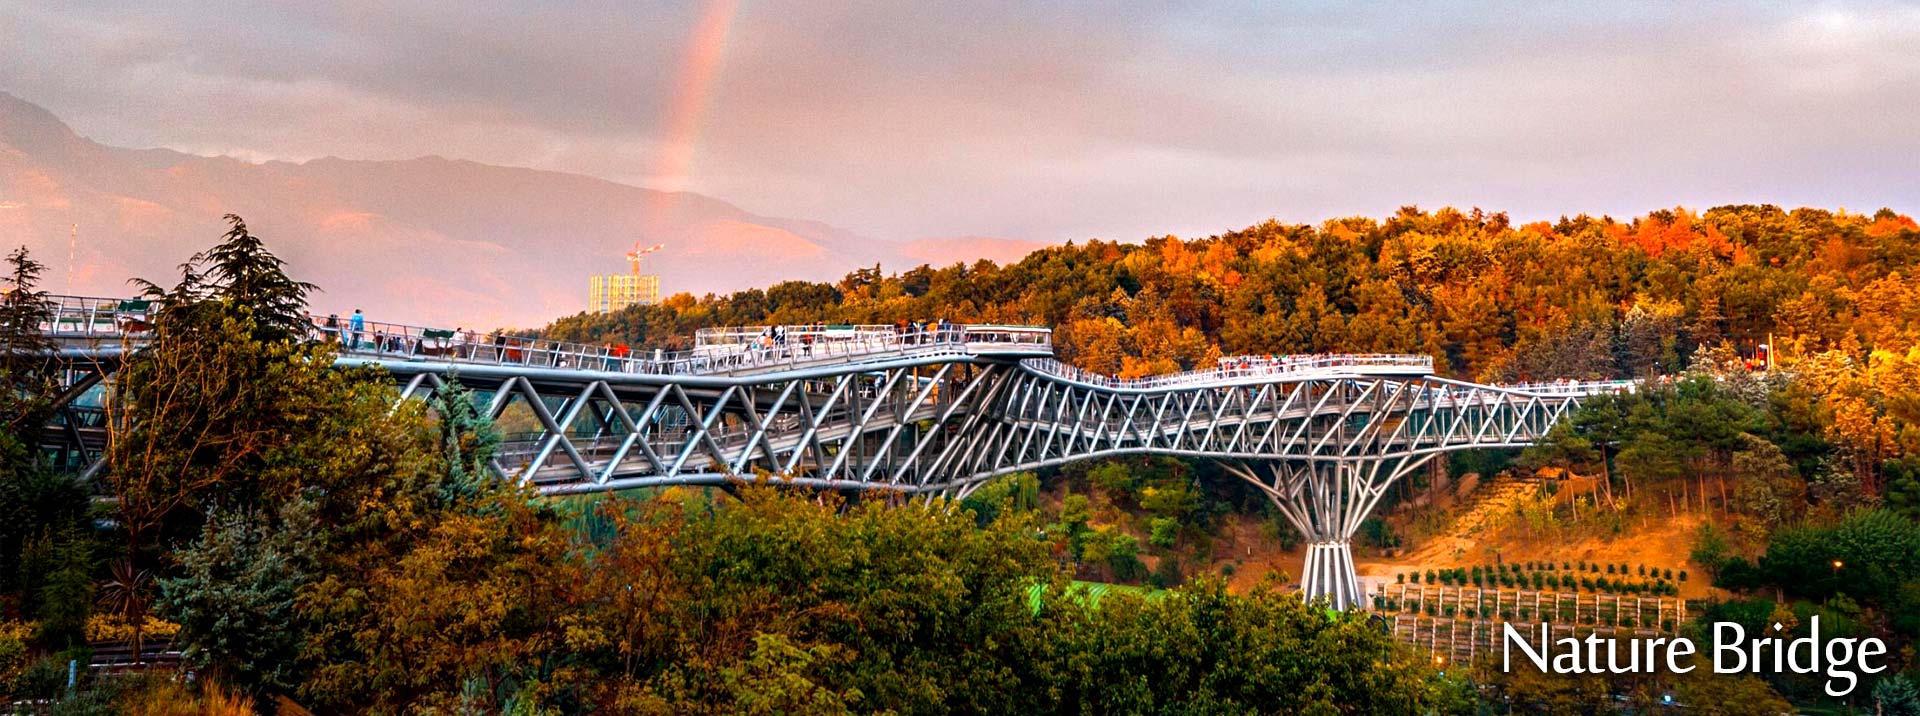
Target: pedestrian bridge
937 410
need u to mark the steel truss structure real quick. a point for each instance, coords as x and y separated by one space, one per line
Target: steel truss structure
1323 437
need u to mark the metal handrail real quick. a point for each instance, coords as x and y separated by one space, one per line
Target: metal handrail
1575 387
1240 367
717 351
733 349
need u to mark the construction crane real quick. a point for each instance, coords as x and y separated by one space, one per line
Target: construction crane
637 252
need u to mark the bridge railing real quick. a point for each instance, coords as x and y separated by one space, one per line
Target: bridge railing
720 350
92 317
768 349
1447 394
1241 367
1576 387
763 347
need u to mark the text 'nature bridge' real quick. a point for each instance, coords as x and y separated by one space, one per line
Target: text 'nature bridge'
939 410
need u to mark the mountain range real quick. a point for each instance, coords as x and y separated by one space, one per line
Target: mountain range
434 241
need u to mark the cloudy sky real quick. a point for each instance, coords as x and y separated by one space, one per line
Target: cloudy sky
1044 121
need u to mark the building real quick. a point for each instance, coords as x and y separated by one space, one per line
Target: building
612 292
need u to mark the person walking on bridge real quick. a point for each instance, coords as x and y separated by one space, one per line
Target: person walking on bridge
355 324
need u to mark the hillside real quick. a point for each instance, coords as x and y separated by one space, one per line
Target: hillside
430 239
1582 297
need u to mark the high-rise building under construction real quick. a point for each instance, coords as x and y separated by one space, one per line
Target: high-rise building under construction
612 292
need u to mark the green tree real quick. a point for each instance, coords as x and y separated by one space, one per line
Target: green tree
63 598
27 377
1903 487
1166 532
1768 490
240 270
235 596
1602 421
438 585
1896 696
35 502
209 401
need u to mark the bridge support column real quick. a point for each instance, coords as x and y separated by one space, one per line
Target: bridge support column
1325 509
1329 575
1327 500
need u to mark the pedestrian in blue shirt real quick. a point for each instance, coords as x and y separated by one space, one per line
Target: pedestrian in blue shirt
355 324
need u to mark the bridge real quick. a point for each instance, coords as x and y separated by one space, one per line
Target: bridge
936 411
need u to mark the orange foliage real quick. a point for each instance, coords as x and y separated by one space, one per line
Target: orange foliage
1889 225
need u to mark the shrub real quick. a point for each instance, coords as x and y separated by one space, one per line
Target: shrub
1123 557
1167 575
1114 477
13 648
42 679
1165 532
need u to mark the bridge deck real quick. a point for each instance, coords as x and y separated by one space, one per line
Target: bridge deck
937 409
102 325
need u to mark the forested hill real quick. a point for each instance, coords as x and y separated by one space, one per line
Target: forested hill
1584 297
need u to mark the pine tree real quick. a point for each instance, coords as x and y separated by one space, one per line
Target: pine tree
23 308
468 441
1896 696
26 375
241 272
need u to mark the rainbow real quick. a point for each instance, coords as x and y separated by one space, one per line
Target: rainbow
692 94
